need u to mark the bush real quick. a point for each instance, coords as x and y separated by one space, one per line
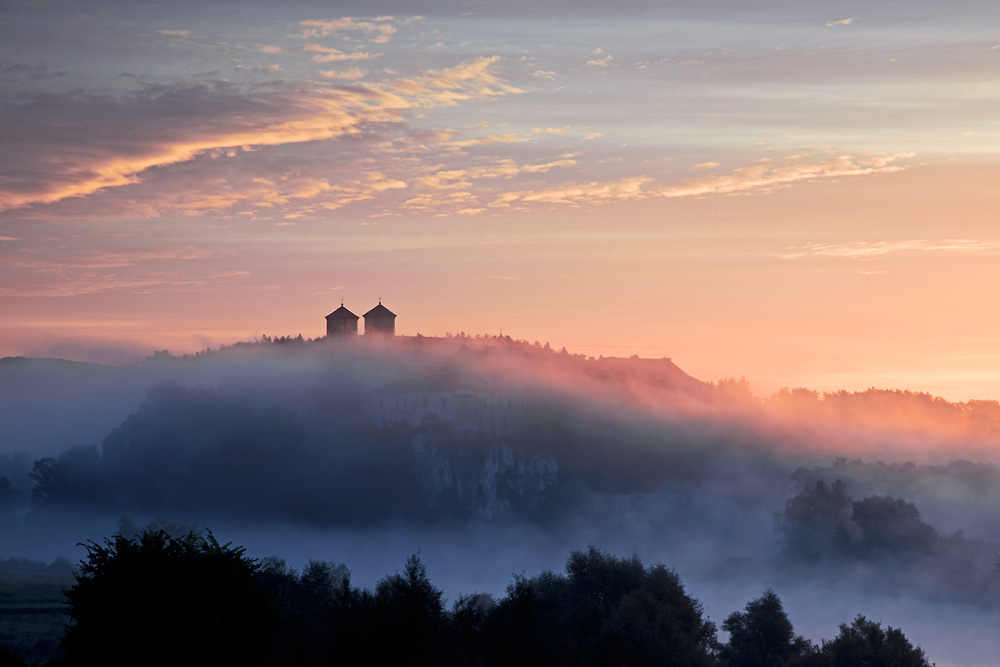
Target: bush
164 600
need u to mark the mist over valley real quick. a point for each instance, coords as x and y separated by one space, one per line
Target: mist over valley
492 457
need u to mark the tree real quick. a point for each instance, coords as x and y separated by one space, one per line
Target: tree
761 636
865 642
72 478
467 622
8 492
164 600
607 611
410 610
816 523
892 526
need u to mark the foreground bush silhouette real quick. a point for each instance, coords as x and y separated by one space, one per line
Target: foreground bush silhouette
606 611
761 636
158 599
866 642
163 600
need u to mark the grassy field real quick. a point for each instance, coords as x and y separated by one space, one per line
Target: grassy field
32 607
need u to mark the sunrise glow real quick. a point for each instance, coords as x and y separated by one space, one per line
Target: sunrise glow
799 193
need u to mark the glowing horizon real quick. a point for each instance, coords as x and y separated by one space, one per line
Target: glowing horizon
800 197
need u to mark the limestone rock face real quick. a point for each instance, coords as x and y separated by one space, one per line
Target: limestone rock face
485 482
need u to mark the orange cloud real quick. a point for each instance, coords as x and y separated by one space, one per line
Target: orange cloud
765 176
436 178
269 121
598 58
508 138
471 80
442 204
590 193
362 189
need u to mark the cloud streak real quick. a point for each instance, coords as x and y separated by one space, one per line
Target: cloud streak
867 249
766 175
379 31
577 194
106 143
760 177
324 54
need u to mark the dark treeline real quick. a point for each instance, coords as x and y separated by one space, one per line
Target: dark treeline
163 599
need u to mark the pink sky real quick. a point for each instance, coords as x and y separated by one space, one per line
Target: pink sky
800 195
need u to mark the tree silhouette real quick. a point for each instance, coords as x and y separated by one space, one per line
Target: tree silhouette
410 610
865 642
816 523
892 526
760 636
607 611
164 600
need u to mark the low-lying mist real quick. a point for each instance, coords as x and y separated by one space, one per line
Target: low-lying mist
493 457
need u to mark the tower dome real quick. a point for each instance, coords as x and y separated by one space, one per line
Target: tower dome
341 322
380 321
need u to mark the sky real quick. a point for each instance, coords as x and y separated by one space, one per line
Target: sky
802 193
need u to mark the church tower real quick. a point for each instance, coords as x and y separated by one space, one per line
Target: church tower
341 323
380 321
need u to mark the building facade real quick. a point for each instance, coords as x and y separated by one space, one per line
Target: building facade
341 323
380 321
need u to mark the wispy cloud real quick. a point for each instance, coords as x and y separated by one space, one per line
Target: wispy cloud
507 138
378 30
473 79
360 189
351 74
847 21
565 161
69 272
866 249
576 194
176 125
441 204
101 259
767 175
598 58
324 54
455 178
760 177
